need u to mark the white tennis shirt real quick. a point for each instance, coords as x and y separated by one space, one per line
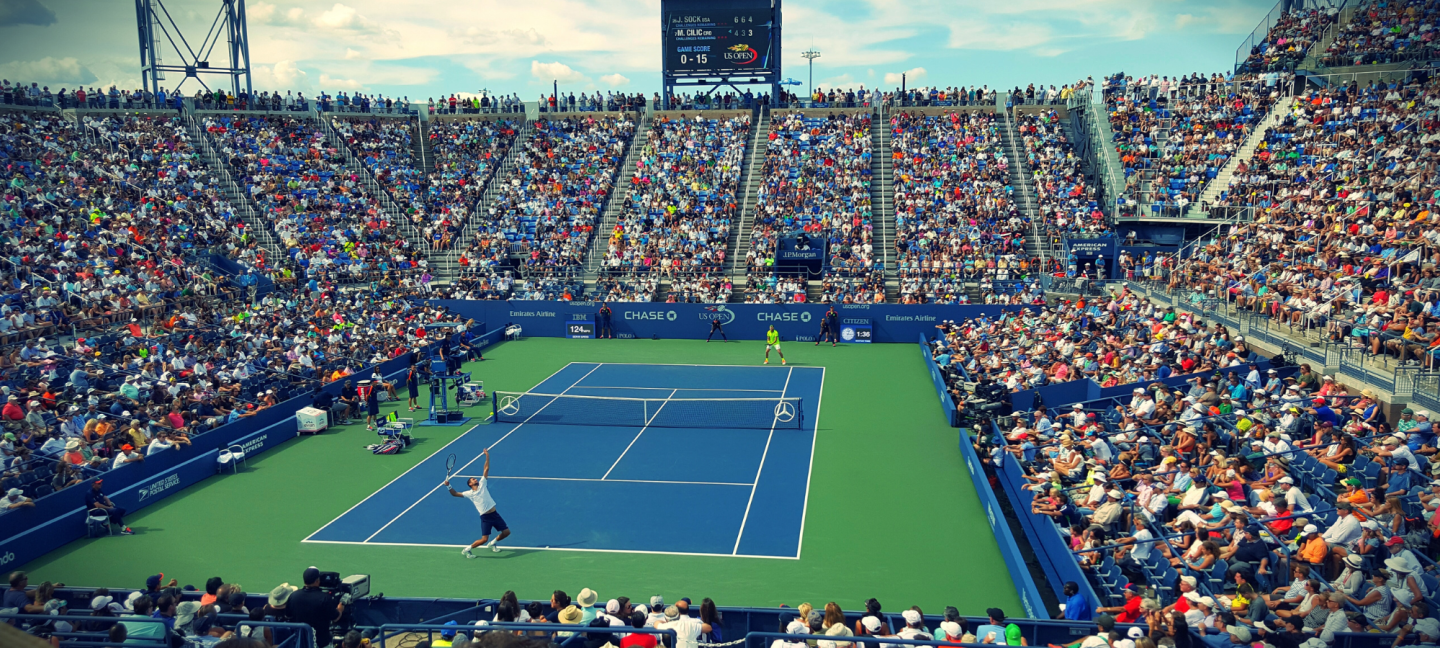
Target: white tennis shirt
480 497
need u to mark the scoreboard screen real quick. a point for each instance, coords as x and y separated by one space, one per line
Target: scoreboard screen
719 41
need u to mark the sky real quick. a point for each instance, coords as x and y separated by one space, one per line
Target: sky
432 49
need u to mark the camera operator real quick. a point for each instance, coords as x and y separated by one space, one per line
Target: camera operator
316 607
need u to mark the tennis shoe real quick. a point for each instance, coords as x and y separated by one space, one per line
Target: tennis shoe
466 552
494 547
782 361
127 531
767 361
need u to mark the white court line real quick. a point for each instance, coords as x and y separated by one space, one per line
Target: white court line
618 551
417 465
767 391
617 481
637 434
761 469
814 441
477 457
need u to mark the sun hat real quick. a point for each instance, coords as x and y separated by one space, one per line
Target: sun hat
100 602
280 595
1397 564
72 445
185 612
1428 626
572 615
586 598
1354 560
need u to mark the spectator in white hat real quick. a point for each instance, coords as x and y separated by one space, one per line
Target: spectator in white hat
15 499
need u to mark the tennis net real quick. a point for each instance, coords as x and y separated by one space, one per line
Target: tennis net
565 409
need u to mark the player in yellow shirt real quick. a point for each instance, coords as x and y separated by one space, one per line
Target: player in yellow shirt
772 340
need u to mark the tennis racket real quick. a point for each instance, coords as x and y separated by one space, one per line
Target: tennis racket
449 466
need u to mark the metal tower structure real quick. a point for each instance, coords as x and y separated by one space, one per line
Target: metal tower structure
156 28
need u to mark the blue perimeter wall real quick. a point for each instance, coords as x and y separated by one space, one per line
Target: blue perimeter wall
59 518
798 322
994 515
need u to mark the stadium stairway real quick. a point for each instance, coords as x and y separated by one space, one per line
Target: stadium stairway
882 200
595 258
1247 150
446 266
233 191
394 210
420 147
754 173
1151 172
1024 182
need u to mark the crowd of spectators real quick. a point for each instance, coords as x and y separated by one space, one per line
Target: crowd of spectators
611 101
466 154
683 197
955 212
474 104
1288 41
154 381
699 288
320 210
1350 262
1243 503
816 179
362 103
626 288
217 613
775 288
548 209
1067 204
1178 134
860 287
1390 31
1339 130
104 221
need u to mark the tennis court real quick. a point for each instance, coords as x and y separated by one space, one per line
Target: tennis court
644 458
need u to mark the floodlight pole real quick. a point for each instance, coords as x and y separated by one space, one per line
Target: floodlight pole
810 55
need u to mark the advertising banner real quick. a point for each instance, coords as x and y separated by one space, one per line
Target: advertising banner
798 322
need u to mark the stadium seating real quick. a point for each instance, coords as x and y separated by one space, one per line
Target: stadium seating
955 214
1384 32
681 204
547 211
319 208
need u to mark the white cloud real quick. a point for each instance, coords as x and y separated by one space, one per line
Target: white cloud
345 17
284 75
615 80
555 71
910 76
351 54
48 71
269 14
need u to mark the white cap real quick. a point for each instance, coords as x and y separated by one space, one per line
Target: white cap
911 616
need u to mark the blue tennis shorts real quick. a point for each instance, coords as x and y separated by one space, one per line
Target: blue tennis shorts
492 521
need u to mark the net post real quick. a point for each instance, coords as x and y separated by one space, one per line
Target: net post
495 406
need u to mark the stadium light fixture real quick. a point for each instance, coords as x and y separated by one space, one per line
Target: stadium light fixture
810 55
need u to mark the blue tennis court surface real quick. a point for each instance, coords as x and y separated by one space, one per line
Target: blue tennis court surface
701 490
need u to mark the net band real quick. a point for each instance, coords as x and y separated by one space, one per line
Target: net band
565 409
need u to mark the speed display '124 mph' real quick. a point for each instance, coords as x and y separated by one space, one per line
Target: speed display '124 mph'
737 41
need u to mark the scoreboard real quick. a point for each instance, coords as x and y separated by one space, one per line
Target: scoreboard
724 38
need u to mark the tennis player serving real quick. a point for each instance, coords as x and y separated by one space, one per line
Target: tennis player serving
479 495
772 341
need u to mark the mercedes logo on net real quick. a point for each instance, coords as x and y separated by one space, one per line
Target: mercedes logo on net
510 405
784 411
